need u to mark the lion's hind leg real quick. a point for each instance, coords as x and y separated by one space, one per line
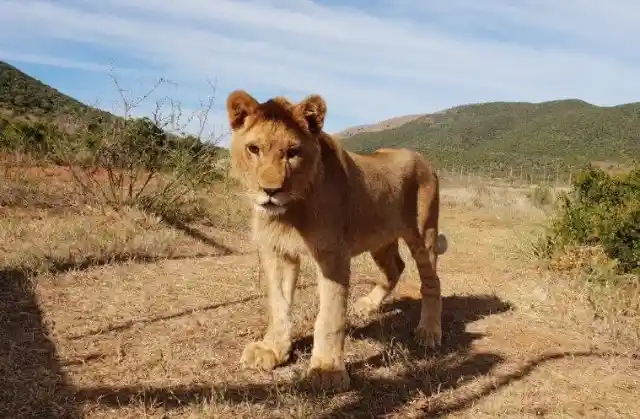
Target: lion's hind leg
424 249
391 264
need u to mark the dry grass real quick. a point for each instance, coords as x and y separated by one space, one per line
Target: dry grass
614 297
160 336
46 227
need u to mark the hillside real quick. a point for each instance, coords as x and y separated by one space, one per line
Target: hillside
25 97
34 115
510 134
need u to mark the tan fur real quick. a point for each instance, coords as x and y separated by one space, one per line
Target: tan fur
331 205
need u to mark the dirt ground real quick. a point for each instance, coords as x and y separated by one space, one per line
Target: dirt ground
161 337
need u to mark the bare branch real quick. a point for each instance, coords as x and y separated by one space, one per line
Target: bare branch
152 163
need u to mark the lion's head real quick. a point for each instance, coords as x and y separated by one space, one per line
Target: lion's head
275 150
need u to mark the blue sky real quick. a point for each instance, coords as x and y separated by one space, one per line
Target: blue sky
371 60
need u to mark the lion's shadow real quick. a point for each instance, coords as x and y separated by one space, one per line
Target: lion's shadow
417 371
457 312
32 383
415 375
394 326
413 369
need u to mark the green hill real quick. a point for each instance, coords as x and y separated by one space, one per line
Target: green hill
25 97
533 136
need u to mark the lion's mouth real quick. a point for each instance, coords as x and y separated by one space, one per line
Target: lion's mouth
270 205
271 208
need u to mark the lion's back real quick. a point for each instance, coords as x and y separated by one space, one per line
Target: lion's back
393 165
384 197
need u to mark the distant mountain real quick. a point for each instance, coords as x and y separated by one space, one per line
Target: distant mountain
378 126
553 135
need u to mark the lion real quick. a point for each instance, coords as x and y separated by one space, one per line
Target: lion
313 198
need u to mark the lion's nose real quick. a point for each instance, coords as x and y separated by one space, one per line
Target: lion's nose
271 191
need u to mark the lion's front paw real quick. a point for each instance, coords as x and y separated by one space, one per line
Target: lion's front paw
262 355
328 377
429 337
365 306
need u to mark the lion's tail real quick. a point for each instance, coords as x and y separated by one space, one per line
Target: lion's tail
441 244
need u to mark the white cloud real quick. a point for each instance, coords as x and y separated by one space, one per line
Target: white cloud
369 66
54 61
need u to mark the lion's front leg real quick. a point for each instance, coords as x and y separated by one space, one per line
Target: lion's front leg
327 370
281 272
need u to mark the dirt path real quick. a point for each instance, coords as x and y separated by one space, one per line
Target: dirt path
162 340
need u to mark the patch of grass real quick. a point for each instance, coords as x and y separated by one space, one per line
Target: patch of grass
52 236
541 196
613 295
232 211
23 187
39 242
503 202
482 195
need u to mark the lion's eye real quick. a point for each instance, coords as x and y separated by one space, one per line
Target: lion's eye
293 152
253 149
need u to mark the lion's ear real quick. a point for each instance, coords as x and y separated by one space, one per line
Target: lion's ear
240 104
313 109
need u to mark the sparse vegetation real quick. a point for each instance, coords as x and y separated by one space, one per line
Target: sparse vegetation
135 162
594 244
109 310
148 163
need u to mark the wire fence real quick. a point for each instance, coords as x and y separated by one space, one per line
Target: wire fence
510 176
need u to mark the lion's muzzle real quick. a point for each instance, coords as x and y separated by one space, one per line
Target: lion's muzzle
271 201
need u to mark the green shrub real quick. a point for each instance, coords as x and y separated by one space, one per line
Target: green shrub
29 137
601 210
